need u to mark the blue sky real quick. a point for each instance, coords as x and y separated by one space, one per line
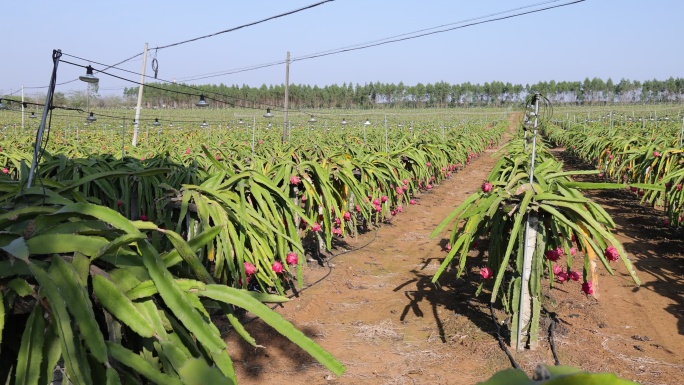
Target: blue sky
634 39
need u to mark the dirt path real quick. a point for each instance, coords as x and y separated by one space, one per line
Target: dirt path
636 332
379 314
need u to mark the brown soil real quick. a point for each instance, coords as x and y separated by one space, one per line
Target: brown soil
379 314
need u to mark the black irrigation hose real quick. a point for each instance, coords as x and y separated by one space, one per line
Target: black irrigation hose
502 345
330 269
552 328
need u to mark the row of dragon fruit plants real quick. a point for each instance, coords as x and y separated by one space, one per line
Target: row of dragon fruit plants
137 249
267 195
648 160
567 235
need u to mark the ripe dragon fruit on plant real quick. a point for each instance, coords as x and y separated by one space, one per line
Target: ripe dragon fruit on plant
249 268
292 258
611 253
277 267
486 272
486 187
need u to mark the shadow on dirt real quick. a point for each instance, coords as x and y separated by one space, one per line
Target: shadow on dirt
255 361
457 295
657 249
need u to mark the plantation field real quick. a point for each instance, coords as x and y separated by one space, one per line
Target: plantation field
378 311
340 229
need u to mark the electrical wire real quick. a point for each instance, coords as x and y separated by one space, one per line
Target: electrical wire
393 39
396 38
439 26
234 71
246 25
207 36
12 93
163 89
99 115
303 57
202 92
328 53
73 80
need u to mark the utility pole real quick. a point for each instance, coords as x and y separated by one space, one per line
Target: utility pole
286 128
140 93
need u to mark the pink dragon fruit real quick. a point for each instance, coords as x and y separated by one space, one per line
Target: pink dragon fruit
277 267
486 187
611 253
292 258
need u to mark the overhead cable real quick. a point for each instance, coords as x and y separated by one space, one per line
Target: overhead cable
356 48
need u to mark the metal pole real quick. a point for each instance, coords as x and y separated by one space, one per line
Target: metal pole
123 139
364 133
682 133
523 317
253 133
140 93
611 122
386 144
286 128
22 107
56 54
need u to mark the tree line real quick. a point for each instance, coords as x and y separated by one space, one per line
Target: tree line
440 94
387 95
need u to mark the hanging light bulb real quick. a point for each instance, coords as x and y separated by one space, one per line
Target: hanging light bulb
344 122
269 126
2 106
33 115
91 118
367 123
204 124
89 77
156 122
268 113
202 102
